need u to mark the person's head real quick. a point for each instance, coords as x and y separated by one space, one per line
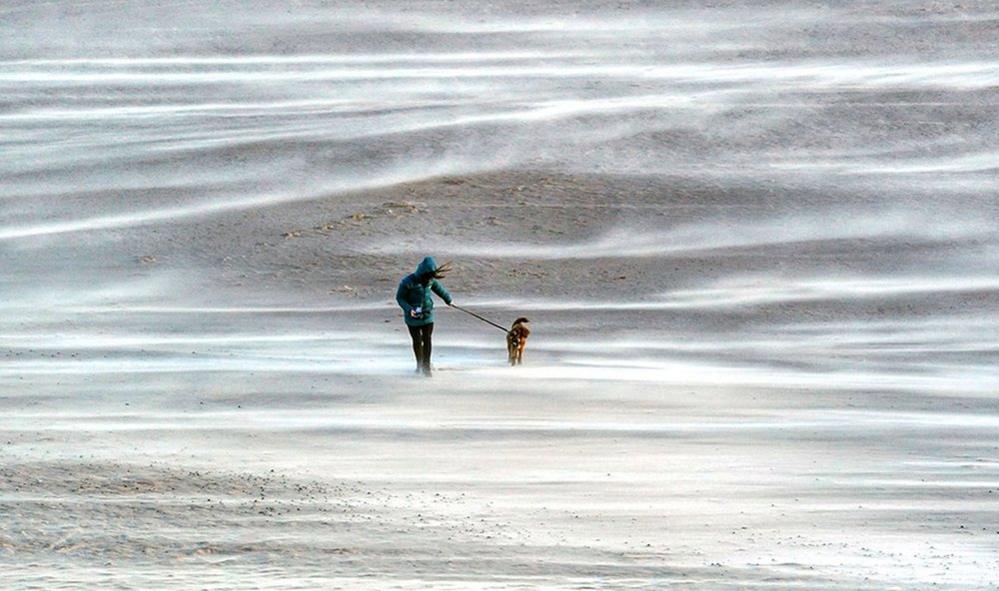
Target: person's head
429 269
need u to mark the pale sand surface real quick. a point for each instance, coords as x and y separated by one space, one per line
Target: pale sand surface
306 480
795 440
757 244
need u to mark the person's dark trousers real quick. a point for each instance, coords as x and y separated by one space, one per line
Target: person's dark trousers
422 347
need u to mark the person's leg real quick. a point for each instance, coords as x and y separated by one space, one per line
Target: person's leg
416 333
428 332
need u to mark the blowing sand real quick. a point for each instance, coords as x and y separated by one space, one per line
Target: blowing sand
756 245
650 440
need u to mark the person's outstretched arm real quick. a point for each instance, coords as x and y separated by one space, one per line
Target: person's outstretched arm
440 290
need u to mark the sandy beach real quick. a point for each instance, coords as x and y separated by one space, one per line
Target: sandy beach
757 245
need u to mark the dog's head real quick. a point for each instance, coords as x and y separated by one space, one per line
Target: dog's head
520 320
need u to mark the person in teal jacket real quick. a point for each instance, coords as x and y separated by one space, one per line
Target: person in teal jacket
417 306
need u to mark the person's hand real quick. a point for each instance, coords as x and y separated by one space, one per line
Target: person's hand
415 313
451 303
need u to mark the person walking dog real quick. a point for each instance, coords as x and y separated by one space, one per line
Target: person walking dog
417 306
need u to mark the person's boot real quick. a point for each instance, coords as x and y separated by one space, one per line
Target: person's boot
427 372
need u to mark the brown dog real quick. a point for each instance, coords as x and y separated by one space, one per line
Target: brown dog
516 341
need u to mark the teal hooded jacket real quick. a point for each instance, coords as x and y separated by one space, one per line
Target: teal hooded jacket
414 292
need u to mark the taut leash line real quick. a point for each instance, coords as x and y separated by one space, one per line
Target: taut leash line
486 320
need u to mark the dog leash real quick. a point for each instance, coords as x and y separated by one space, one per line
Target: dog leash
486 320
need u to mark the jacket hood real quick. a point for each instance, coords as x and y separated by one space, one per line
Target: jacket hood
427 267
